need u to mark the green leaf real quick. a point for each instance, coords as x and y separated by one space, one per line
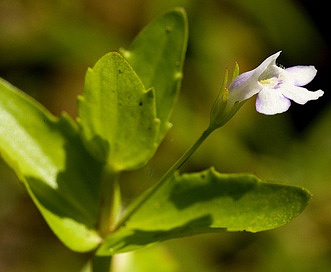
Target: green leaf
207 202
48 156
117 115
157 55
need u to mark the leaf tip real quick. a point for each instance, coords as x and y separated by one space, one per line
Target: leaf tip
181 11
125 53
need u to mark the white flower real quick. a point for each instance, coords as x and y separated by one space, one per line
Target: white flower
275 87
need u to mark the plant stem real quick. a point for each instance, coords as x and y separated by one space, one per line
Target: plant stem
110 201
165 177
101 263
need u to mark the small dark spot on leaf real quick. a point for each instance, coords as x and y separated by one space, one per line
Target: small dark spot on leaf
168 29
141 103
120 71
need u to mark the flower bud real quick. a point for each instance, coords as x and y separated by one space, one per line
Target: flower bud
224 107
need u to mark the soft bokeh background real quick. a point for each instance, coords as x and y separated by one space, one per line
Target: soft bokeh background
45 49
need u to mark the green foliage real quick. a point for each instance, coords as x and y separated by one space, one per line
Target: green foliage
124 114
207 202
118 126
117 115
157 56
48 156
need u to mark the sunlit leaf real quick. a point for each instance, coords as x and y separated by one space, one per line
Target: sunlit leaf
117 115
47 154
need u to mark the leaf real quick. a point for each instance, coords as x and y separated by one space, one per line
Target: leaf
207 202
117 115
48 156
157 55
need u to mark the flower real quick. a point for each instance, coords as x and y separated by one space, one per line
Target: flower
275 87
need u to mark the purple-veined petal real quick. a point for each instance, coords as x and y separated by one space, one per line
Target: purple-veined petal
300 75
300 95
271 101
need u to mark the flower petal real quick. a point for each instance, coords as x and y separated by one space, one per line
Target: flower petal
271 101
270 72
241 80
246 84
300 95
300 75
270 61
246 90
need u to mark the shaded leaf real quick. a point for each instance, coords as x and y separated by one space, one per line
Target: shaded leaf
157 55
207 202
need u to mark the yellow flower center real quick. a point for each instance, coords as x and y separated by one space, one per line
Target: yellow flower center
272 83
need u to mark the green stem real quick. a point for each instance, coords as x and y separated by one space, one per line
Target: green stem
110 201
165 177
101 263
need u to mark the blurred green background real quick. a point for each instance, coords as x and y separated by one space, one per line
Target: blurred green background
45 49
